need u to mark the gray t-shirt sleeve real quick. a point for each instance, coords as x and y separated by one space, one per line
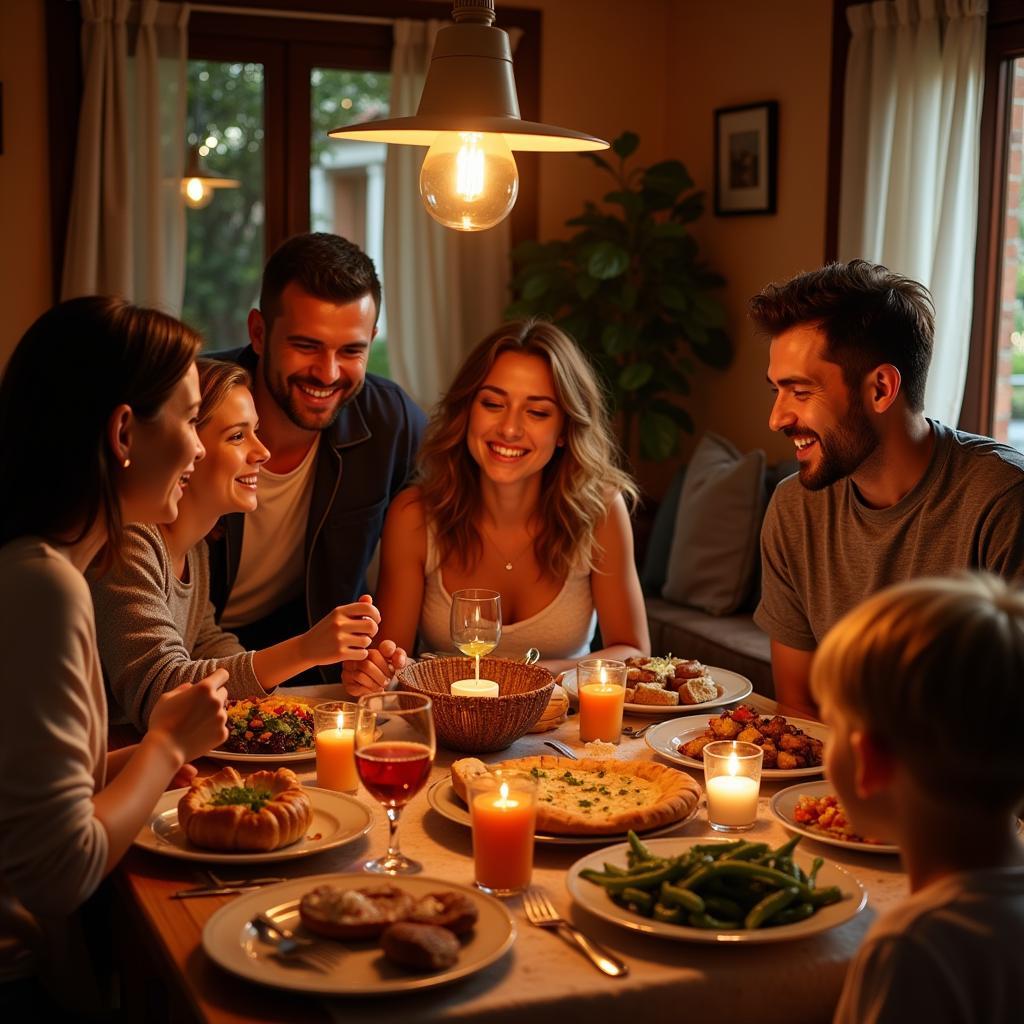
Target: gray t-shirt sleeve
781 612
1001 537
144 647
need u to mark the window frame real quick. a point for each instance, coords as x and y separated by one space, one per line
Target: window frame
288 47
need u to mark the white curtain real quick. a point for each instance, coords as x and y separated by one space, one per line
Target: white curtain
126 230
911 125
445 290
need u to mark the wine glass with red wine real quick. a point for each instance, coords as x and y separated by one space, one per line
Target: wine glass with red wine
394 744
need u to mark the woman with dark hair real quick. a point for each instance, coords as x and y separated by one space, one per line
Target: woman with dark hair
154 617
97 429
517 491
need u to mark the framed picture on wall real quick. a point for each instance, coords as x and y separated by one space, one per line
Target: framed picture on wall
746 154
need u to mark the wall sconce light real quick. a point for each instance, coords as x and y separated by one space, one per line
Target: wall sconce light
198 183
469 118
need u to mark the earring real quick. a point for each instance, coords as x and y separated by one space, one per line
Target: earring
127 462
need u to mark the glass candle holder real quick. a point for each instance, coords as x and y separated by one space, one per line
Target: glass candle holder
503 814
601 685
334 726
732 781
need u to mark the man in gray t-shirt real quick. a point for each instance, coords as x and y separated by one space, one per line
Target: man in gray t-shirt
883 493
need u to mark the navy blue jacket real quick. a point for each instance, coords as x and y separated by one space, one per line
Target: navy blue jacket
365 458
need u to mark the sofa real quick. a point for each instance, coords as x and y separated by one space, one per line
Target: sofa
700 569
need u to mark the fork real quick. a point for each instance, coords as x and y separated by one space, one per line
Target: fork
540 912
628 730
562 749
289 947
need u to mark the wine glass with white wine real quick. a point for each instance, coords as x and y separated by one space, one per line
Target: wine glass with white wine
476 623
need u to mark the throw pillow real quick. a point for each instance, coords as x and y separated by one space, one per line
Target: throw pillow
655 567
718 526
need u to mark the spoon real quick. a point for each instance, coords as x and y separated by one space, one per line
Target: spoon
628 730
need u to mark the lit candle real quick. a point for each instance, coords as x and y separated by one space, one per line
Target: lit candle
335 758
474 688
602 693
504 822
732 788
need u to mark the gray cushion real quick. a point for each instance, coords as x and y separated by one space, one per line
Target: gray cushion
655 568
718 523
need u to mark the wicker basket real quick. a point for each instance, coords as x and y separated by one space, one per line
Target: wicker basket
480 724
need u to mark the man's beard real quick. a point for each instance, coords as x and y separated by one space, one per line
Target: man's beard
842 450
281 392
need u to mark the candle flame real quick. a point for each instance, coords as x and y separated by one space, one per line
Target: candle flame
341 719
503 789
733 764
604 676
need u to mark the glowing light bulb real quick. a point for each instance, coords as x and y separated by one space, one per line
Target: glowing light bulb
469 180
197 194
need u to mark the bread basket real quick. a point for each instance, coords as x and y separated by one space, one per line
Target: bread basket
478 725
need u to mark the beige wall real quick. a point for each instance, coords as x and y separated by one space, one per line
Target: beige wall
741 52
25 286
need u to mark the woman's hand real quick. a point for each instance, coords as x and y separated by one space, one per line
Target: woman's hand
191 718
343 634
374 673
183 776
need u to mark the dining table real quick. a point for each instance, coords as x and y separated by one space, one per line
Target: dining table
166 974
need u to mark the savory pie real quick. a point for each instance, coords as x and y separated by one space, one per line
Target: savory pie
595 796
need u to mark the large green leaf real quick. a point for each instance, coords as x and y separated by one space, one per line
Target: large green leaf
707 311
536 285
658 436
625 145
689 209
676 413
675 297
668 229
630 202
635 376
617 339
599 160
715 349
586 286
607 260
667 178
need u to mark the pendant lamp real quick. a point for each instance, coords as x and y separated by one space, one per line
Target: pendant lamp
469 118
198 183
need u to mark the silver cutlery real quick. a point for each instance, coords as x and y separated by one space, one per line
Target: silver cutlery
561 748
531 657
541 912
628 730
225 887
289 947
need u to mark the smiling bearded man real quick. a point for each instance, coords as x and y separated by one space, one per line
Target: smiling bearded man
305 549
883 493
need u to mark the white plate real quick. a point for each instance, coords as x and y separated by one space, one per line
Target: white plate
667 737
784 803
442 798
337 819
732 687
593 898
232 943
265 759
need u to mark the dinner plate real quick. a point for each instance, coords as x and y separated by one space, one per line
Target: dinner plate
442 798
594 898
264 759
337 819
230 941
784 803
667 737
732 687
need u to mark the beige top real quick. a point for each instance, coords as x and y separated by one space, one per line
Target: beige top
270 572
53 746
157 631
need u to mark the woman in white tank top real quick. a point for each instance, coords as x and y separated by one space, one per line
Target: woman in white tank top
518 491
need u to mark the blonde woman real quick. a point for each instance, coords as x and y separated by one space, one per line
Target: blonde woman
517 491
154 617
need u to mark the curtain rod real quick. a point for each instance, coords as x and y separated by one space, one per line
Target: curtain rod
262 12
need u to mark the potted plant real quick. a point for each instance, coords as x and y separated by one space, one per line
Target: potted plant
629 286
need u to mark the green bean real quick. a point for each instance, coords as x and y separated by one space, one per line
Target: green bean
786 849
674 896
770 906
706 921
668 873
722 906
815 868
613 869
793 913
638 847
639 901
758 872
823 897
717 849
592 875
667 915
748 851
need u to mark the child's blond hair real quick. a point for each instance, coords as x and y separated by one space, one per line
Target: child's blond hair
933 670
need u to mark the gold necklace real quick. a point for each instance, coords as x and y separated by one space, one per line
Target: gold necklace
508 561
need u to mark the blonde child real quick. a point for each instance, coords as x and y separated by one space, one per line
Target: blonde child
923 688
